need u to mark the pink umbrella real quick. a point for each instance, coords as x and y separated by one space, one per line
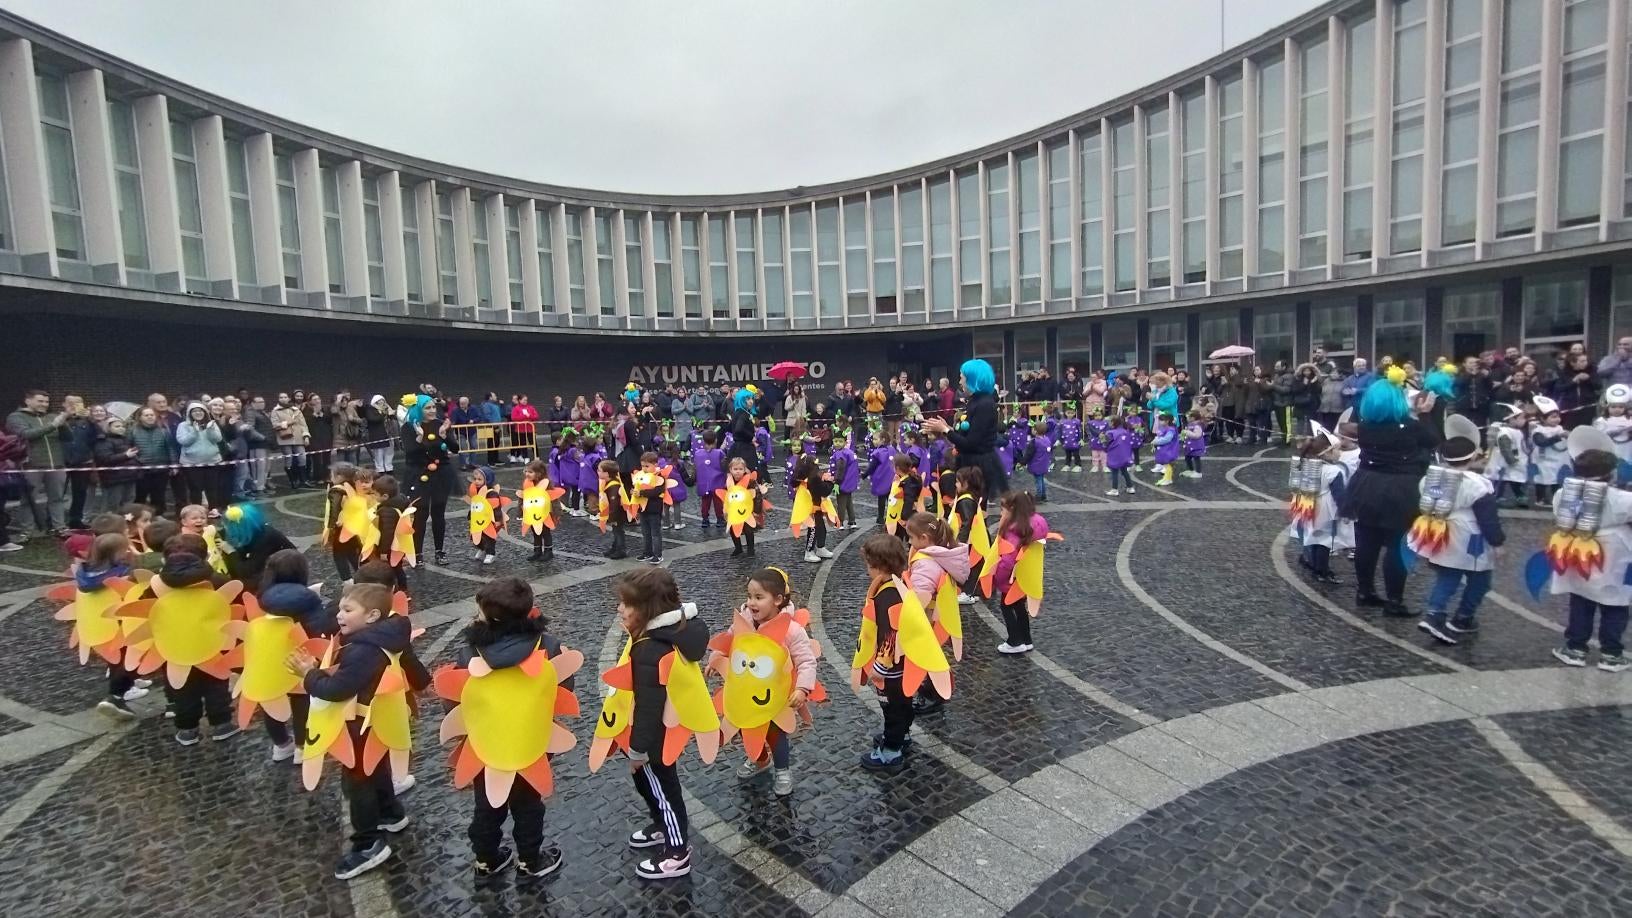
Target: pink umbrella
786 371
1230 352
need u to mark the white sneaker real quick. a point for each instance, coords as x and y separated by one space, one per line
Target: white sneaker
488 559
1163 483
1112 492
664 868
143 683
403 785
134 693
1127 490
477 555
964 599
1006 647
752 769
782 781
10 546
283 753
1026 648
813 558
679 526
824 553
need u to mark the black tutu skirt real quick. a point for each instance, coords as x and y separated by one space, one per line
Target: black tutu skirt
996 481
1385 500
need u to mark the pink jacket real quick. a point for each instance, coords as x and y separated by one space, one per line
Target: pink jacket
798 646
926 569
1005 563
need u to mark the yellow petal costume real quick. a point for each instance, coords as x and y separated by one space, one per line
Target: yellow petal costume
388 721
689 711
95 626
948 621
604 506
356 522
913 644
805 508
1027 580
617 720
505 720
737 497
181 629
486 512
759 678
326 730
266 681
402 540
537 507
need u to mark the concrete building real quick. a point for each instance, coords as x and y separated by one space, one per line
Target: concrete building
1405 177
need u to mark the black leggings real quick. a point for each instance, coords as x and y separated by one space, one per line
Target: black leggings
1127 477
816 535
1018 622
1370 544
747 538
1192 463
436 515
1073 457
526 811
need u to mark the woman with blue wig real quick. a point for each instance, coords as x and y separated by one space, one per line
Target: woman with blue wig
250 540
1396 448
975 437
744 403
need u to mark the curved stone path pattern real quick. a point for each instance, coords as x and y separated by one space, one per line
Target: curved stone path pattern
1200 731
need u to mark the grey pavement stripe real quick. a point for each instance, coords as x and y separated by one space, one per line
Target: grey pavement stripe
1548 782
23 807
1166 490
1524 612
282 506
1124 572
1055 485
1277 558
1113 505
1230 476
33 571
1071 680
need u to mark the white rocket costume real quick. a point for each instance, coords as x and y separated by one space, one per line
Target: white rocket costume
1619 429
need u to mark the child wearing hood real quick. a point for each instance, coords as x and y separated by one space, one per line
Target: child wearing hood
285 591
847 472
202 695
110 556
934 553
504 634
378 434
650 610
482 482
369 636
1038 456
881 471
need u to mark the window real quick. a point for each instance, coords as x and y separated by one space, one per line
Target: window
1231 175
1121 342
801 250
1168 345
829 296
1031 228
1059 222
1075 344
634 266
1030 351
1092 159
62 173
604 264
970 257
691 264
127 176
663 265
1473 319
1273 335
776 278
477 210
1581 123
1332 327
941 296
1358 139
374 238
575 261
410 243
546 255
1124 196
1555 312
912 248
447 263
1397 329
1193 196
288 222
1459 177
855 255
1518 114
718 277
883 208
1000 242
988 346
747 268
1620 325
333 244
512 254
1272 166
189 212
1219 331
243 224
1410 79
1313 167
1158 239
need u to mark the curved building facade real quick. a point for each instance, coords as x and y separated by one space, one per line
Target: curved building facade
1405 177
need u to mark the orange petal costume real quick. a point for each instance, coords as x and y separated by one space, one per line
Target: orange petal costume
487 512
1027 581
913 643
266 681
737 497
92 612
759 678
537 506
505 720
181 629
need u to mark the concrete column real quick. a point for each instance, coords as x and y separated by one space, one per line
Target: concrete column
985 239
498 247
1141 202
430 280
558 250
957 242
389 185
648 264
1249 160
353 233
314 258
1107 208
93 159
1291 96
620 266
464 253
1433 137
732 288
1175 191
25 159
1490 80
1073 156
1612 204
1014 235
159 192
1552 73
1382 145
1210 88
1337 53
592 273
532 295
210 154
263 208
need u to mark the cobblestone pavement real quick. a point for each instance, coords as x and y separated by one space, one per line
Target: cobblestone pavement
1200 730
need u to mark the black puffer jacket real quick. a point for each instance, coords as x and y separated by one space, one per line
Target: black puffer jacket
363 659
678 629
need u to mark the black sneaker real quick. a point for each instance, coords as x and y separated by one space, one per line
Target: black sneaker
649 837
922 705
1463 625
537 555
227 730
666 867
1395 609
357 862
736 552
441 557
1436 631
617 555
506 858
187 737
395 825
547 862
1570 657
1328 578
1369 600
116 707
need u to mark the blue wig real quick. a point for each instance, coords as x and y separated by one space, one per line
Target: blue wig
741 399
413 407
1441 383
977 375
1384 403
241 524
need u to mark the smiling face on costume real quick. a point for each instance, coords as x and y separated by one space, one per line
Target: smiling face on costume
757 682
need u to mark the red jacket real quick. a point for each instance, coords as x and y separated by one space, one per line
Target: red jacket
524 413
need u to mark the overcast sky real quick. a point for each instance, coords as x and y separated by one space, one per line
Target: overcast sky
661 96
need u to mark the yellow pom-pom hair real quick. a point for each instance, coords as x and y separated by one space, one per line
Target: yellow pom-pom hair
409 400
1396 375
235 513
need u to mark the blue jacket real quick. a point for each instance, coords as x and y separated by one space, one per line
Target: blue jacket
1358 383
492 413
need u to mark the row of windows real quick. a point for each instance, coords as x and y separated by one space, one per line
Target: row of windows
1133 202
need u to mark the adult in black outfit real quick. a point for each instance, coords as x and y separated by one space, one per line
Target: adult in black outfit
976 436
1397 444
742 431
428 453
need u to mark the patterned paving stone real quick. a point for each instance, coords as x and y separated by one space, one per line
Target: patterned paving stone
18 778
1586 748
1426 821
38 669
